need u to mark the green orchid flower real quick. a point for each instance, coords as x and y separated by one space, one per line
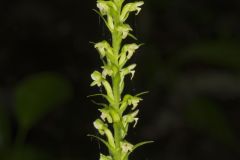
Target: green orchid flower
130 7
115 117
124 30
128 70
126 147
130 118
127 53
97 79
105 114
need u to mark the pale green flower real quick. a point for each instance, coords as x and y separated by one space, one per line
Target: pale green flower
103 129
105 114
103 7
131 117
124 30
127 52
103 48
134 101
107 71
131 48
97 78
130 7
100 126
128 70
126 146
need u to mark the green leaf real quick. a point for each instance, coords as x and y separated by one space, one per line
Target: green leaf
37 95
139 145
132 36
104 20
99 104
142 93
102 140
102 95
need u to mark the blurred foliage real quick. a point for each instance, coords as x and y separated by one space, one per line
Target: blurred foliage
218 53
37 95
206 117
25 153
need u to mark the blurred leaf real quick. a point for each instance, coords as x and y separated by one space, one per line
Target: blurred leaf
37 95
4 128
205 116
225 54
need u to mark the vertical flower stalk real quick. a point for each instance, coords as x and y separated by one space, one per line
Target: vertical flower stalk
119 111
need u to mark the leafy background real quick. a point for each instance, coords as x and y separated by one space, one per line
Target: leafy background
190 63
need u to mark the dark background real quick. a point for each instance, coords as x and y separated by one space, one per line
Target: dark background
190 64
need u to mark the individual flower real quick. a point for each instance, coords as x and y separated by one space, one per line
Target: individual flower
131 48
124 30
103 48
103 7
107 71
134 101
129 118
97 78
130 7
127 52
103 129
126 146
100 126
105 114
128 70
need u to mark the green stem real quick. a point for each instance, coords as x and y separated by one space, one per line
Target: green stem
116 44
